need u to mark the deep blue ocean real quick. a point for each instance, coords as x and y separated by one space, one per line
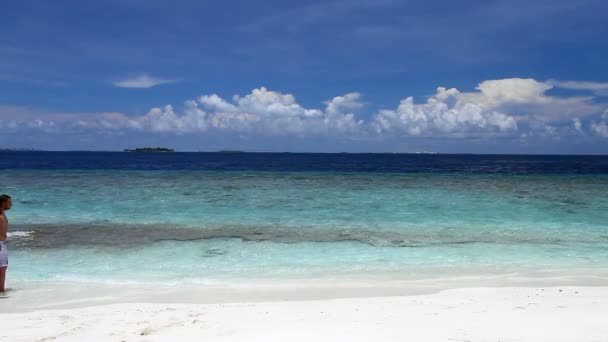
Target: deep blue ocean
308 162
215 218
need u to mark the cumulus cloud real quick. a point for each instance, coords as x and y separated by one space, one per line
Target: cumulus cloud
141 81
497 107
513 107
261 112
494 93
526 97
167 120
445 112
266 112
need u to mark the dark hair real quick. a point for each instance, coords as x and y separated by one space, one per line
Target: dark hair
4 198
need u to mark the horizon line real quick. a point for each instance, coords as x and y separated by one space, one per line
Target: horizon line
290 152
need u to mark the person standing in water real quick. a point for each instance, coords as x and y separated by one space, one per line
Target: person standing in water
5 204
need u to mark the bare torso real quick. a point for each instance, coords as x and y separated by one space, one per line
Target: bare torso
3 227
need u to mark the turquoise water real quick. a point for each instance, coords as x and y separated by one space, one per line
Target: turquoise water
190 226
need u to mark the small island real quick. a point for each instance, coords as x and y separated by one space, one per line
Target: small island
149 149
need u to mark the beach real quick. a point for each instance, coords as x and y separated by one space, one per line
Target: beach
275 247
564 313
278 171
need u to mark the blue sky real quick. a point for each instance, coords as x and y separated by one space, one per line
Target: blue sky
360 76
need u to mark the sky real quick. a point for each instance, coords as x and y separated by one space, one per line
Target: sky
492 76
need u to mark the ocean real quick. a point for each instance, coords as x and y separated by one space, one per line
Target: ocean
238 218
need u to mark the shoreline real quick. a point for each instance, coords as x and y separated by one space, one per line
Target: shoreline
27 296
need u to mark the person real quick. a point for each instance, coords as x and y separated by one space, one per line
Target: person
5 204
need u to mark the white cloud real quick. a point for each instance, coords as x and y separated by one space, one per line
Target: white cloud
599 88
38 125
141 81
262 112
576 122
166 120
494 93
601 128
216 103
508 107
526 98
445 112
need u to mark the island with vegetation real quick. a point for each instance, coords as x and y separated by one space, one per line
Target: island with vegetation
150 149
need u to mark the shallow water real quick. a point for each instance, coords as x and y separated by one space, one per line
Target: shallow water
198 224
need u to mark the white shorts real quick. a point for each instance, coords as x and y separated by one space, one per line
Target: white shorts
3 254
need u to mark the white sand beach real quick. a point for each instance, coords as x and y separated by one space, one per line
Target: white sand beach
526 313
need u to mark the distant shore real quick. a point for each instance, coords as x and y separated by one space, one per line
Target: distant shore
149 149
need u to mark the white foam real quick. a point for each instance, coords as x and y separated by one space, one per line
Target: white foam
20 234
